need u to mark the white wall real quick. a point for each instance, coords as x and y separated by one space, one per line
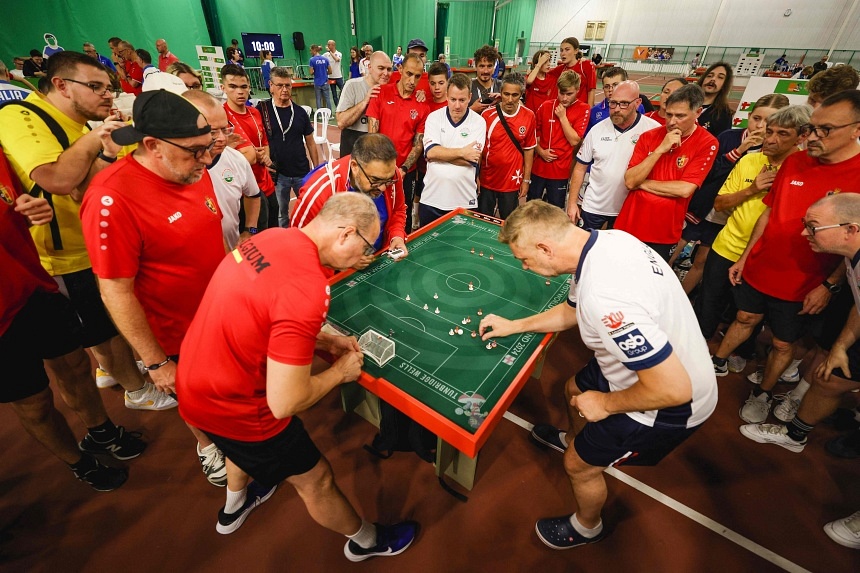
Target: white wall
813 24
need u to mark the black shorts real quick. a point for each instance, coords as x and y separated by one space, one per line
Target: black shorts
619 439
704 231
781 315
827 325
47 327
290 453
83 292
664 251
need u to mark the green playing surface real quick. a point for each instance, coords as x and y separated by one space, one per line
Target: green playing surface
456 375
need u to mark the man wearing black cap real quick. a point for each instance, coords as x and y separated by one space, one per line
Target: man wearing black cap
152 226
419 48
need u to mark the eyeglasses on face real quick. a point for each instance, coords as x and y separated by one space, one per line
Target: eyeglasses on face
369 249
812 229
622 104
98 89
375 183
821 131
198 152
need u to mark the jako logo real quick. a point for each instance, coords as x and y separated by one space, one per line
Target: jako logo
174 217
796 182
633 344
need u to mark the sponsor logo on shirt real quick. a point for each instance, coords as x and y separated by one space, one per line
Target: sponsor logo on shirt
107 200
254 257
227 175
606 138
517 177
613 319
633 344
210 204
522 130
173 218
796 182
6 195
413 114
682 161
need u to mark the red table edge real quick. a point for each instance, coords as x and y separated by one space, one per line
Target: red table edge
458 437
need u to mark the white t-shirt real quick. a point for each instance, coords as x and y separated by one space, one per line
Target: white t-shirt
334 61
852 268
446 185
633 314
608 151
354 92
232 179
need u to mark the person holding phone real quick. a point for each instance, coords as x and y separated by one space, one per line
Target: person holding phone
485 88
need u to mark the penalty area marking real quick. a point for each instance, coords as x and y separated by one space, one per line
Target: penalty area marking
687 512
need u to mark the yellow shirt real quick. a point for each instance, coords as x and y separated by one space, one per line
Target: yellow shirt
733 239
28 143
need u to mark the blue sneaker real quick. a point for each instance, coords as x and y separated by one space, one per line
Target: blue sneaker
390 540
558 533
256 495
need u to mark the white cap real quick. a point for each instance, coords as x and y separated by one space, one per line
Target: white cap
164 81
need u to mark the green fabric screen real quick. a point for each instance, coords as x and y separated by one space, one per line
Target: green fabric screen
73 23
512 21
469 26
397 21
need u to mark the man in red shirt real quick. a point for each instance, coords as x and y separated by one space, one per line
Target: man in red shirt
130 72
370 170
506 165
248 124
152 227
396 113
165 56
561 125
778 275
245 382
39 328
571 59
668 165
419 48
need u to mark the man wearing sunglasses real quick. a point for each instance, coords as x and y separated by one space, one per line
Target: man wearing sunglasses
778 275
371 170
61 172
152 226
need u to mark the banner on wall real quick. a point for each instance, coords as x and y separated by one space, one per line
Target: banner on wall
211 59
794 90
51 46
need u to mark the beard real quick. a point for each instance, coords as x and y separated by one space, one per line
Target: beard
186 177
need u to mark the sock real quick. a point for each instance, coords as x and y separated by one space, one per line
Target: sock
757 391
83 465
719 361
104 433
799 391
137 394
797 429
795 364
235 499
584 531
365 537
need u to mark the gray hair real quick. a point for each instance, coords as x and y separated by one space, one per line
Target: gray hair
280 72
846 206
792 116
515 79
352 209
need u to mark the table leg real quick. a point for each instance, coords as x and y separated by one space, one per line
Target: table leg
356 399
455 464
542 359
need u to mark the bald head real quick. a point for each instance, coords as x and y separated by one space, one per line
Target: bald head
627 90
379 67
625 94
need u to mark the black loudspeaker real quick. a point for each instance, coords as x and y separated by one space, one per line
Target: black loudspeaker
298 41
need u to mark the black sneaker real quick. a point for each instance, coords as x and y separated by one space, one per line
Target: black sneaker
100 476
390 540
126 445
547 435
558 533
255 496
720 370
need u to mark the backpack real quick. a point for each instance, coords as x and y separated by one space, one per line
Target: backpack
399 433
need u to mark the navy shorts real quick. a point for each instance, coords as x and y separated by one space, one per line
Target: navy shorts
290 453
46 327
619 439
704 231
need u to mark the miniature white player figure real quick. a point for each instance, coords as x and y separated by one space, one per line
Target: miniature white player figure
547 282
426 307
489 346
480 312
474 334
437 310
481 254
435 295
473 250
463 321
451 332
407 297
493 343
468 319
491 256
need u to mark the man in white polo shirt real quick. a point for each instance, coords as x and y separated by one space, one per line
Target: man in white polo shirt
454 137
607 149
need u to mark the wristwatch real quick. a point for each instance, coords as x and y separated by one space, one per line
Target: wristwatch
252 230
831 287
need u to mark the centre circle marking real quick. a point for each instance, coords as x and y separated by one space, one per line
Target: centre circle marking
459 282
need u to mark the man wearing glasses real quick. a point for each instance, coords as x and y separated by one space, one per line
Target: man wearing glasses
61 172
130 71
607 149
90 50
152 226
371 170
231 174
778 275
291 140
667 166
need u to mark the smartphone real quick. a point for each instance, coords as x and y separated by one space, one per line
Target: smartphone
488 100
395 253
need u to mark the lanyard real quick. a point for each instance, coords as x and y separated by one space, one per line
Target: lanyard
280 125
254 121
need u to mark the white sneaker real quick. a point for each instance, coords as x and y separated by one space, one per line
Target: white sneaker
737 363
772 434
149 398
212 460
786 408
755 409
786 377
845 531
104 379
